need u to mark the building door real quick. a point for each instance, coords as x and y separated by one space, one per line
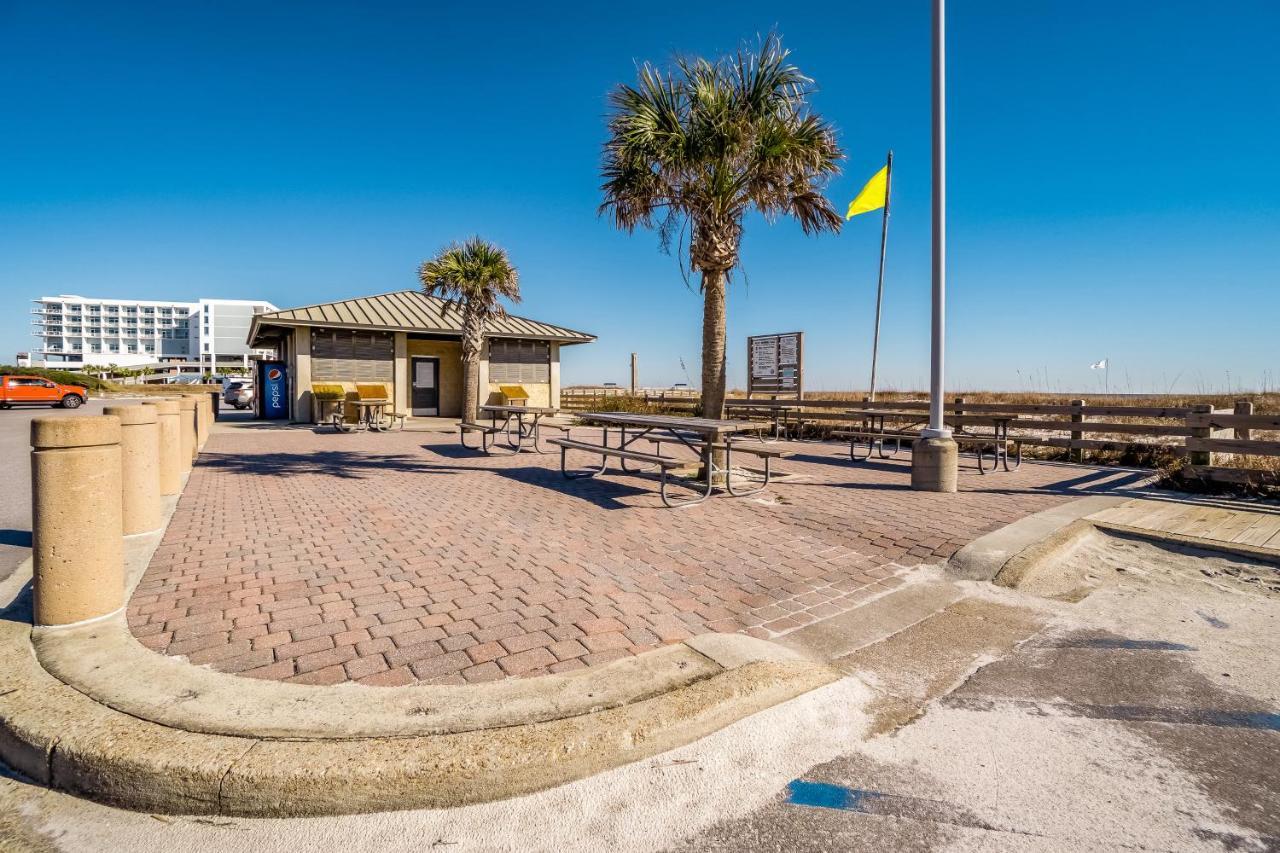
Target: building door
426 386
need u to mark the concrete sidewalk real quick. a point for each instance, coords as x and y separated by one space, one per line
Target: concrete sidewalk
1141 717
386 559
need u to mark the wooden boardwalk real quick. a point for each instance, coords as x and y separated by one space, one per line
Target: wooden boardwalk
1253 527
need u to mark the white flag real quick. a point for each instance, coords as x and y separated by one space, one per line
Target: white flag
1101 365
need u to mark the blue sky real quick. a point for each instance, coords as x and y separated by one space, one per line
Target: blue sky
1114 177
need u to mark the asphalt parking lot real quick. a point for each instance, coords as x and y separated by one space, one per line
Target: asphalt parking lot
15 497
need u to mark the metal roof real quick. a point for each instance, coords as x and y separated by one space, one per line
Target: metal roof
408 311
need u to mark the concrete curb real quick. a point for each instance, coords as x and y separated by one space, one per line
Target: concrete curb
448 746
104 662
87 709
984 558
1006 555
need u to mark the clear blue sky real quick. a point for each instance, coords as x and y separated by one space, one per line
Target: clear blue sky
1115 177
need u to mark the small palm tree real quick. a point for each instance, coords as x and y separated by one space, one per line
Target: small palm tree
473 276
701 145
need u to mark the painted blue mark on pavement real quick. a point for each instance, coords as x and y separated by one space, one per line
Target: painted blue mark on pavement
820 795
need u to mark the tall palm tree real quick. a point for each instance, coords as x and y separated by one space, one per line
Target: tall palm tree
473 276
703 143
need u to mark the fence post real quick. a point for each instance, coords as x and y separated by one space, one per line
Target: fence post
1076 454
959 410
77 547
139 467
1243 407
1201 457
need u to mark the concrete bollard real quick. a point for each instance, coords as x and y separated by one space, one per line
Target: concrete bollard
187 430
139 467
206 409
202 420
169 445
76 519
934 465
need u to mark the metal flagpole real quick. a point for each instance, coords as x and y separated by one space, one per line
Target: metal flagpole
884 236
937 426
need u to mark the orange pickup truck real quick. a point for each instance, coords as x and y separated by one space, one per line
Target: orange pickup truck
38 391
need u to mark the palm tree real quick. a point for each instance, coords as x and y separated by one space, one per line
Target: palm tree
473 276
702 144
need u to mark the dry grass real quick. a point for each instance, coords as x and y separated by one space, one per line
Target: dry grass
1262 403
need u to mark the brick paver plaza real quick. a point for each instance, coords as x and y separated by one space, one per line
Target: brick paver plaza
315 557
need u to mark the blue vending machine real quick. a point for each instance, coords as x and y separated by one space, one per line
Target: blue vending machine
273 390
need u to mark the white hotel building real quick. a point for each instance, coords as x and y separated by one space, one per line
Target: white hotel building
72 331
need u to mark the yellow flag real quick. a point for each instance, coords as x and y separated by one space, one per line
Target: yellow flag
872 195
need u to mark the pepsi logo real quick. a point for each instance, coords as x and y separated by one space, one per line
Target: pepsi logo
274 374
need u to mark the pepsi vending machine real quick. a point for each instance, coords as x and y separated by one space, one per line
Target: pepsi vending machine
273 390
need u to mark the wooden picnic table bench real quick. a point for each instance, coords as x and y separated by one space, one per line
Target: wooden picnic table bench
704 436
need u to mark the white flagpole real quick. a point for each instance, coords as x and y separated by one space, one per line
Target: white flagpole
937 426
884 237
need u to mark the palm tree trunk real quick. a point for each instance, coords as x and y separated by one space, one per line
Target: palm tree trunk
713 348
472 344
470 393
713 343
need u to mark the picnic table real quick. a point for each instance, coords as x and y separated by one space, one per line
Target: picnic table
371 414
781 412
523 431
704 436
875 435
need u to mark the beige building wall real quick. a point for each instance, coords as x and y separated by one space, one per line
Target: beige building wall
401 372
554 391
300 349
540 393
450 355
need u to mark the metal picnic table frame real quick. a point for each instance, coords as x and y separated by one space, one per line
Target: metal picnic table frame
779 410
370 415
531 432
700 435
873 420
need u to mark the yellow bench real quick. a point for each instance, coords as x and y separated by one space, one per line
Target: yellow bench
379 391
514 395
329 393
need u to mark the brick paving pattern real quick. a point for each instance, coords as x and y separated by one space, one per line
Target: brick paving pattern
318 558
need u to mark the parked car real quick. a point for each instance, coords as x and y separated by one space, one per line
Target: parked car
38 391
238 394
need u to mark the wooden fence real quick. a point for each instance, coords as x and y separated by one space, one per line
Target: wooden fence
1209 438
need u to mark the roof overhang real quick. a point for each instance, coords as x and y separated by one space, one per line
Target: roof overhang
257 331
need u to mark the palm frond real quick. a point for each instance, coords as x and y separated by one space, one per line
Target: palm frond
474 275
707 140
